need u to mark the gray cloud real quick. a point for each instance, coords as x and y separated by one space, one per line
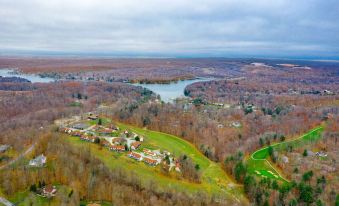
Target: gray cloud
177 27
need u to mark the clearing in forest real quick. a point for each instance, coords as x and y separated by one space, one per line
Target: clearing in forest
259 164
214 180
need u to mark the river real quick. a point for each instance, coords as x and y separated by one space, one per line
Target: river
5 72
171 91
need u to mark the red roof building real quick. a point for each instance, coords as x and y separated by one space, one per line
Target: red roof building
149 152
135 145
150 161
119 148
135 156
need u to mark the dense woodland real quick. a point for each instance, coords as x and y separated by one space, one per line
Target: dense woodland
26 108
90 179
244 108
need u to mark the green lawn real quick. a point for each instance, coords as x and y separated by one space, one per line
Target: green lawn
214 179
258 163
29 198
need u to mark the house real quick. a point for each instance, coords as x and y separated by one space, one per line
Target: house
49 191
92 138
118 140
105 131
150 161
135 156
39 161
135 145
321 154
328 92
76 134
105 143
87 138
69 130
149 152
218 104
118 148
4 148
84 137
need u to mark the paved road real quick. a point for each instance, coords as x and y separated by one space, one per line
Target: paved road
5 202
30 149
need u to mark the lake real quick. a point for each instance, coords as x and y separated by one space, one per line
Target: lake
5 72
169 92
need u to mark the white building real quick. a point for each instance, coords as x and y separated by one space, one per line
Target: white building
39 161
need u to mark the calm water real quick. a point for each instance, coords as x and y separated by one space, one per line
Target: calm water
31 77
169 92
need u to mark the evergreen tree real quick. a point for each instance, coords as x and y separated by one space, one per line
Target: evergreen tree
32 188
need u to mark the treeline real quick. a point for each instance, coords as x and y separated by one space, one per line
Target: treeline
310 190
90 179
28 109
211 129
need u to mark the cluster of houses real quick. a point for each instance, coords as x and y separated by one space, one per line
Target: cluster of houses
155 157
318 154
119 141
148 156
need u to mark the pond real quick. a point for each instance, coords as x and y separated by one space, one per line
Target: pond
5 72
171 91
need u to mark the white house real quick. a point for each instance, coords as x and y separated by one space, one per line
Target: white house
39 161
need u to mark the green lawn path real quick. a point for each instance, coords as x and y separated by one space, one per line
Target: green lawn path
259 164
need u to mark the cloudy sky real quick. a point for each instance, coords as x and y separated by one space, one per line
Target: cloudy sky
229 28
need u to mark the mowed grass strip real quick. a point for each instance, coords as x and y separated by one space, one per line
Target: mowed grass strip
214 180
259 165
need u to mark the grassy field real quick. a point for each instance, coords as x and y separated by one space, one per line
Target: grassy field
259 164
214 180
